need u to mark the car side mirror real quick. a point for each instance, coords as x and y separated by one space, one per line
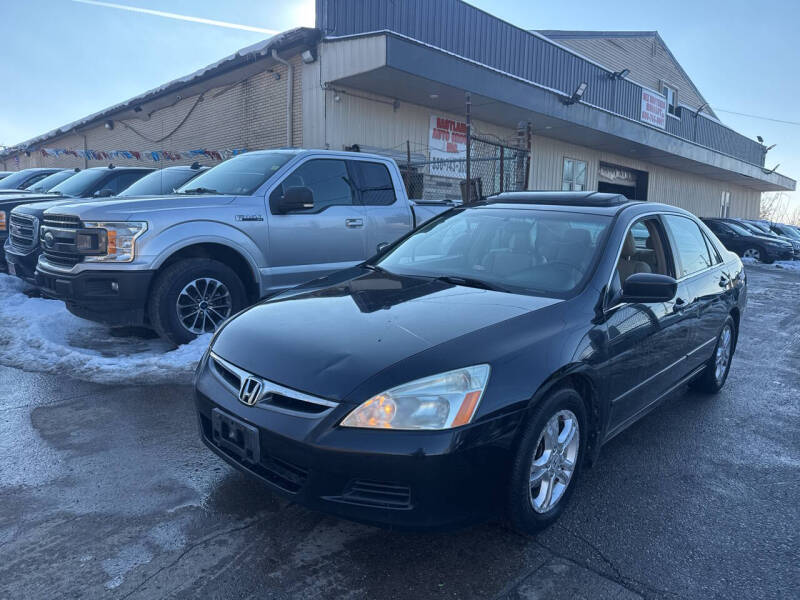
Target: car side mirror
649 287
293 199
105 193
382 246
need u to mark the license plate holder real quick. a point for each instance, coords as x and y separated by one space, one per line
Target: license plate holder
235 436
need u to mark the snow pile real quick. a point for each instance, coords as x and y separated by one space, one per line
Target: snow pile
789 265
40 335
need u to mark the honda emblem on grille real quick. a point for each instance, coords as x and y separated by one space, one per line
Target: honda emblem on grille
250 390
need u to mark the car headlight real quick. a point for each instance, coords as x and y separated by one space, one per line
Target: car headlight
441 401
118 239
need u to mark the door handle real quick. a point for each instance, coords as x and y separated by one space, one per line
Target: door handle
354 223
724 280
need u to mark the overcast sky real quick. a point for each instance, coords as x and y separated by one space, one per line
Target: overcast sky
64 60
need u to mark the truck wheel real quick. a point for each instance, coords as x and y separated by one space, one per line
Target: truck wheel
192 297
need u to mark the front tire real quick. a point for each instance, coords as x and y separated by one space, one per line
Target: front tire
192 297
548 461
718 366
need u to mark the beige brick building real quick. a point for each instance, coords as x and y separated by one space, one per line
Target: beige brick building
376 82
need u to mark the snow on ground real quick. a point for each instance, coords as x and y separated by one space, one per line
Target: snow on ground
789 265
40 335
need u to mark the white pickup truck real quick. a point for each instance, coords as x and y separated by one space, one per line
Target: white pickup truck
257 223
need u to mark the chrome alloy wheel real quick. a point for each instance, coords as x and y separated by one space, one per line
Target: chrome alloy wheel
203 304
752 253
723 356
554 460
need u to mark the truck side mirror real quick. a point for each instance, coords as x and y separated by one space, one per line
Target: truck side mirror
293 199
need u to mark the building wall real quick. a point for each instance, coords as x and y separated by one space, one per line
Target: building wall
250 114
699 195
648 60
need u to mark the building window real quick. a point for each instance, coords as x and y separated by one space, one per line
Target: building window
574 177
725 205
672 99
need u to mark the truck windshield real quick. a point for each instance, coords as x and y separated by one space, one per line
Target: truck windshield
80 184
164 181
539 252
50 181
239 176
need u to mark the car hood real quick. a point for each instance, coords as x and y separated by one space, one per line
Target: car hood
131 209
12 200
328 340
37 208
774 240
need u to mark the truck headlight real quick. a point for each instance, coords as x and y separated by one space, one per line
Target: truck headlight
440 401
119 239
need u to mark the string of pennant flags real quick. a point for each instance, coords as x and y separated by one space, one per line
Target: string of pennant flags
154 155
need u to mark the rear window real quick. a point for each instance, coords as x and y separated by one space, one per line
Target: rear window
689 245
375 183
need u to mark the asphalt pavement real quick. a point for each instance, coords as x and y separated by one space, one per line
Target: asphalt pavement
107 492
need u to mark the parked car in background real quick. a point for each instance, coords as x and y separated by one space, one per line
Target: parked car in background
255 224
748 244
45 185
4 174
96 182
22 179
788 232
759 228
22 253
488 356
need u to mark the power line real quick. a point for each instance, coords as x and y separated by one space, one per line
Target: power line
741 114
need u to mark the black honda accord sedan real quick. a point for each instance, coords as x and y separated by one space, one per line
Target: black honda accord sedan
474 367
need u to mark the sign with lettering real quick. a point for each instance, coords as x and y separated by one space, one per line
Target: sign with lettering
447 147
654 109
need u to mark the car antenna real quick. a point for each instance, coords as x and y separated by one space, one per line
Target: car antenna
195 165
110 165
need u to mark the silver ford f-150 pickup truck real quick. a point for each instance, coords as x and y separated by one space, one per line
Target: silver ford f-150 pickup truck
257 223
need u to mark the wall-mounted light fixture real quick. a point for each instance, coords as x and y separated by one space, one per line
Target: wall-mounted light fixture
577 94
109 124
308 56
620 74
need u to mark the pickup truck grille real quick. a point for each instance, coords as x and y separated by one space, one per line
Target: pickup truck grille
64 221
23 231
58 240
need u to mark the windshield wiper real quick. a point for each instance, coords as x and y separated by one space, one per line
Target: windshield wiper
471 282
376 268
200 190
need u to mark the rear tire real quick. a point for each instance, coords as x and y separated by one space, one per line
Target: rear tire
715 374
756 254
194 296
543 473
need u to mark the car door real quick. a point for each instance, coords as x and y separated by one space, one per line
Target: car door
702 268
646 341
387 217
310 243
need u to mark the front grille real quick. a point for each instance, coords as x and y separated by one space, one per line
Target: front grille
58 240
377 493
273 395
64 221
23 230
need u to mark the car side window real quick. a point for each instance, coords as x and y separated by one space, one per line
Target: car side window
689 245
716 257
327 179
374 182
644 250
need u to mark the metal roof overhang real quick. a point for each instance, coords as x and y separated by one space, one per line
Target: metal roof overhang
410 71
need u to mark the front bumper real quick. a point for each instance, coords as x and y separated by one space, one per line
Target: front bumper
397 479
113 297
23 262
781 253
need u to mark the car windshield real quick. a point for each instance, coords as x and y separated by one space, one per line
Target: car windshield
81 183
164 181
739 229
241 175
50 181
15 180
789 232
539 252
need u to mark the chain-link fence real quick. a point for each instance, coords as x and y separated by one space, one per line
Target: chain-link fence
494 167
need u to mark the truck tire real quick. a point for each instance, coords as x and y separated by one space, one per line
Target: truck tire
192 297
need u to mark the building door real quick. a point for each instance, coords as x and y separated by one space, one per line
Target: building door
615 179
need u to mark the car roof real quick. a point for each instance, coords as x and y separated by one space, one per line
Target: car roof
115 168
583 202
